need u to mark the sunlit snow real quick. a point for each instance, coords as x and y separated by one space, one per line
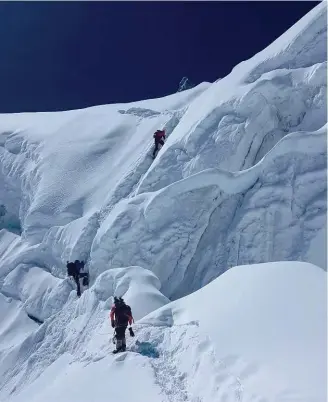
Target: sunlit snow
219 245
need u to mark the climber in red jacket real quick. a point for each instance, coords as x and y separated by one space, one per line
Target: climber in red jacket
159 137
120 317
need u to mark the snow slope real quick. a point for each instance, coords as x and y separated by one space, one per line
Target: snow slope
233 340
241 180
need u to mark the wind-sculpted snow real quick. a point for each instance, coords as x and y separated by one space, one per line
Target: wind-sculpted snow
240 180
193 230
196 233
243 123
242 116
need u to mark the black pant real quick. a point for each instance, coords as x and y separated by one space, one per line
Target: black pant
78 287
120 332
85 277
157 143
120 337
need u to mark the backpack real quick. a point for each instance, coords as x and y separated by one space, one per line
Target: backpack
122 313
158 135
71 269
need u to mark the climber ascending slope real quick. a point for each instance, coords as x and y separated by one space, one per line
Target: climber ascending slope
75 270
121 316
159 137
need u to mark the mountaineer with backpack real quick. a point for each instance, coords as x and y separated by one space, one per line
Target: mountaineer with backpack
159 138
74 271
121 316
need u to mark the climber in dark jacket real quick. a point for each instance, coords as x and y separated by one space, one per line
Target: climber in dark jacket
73 270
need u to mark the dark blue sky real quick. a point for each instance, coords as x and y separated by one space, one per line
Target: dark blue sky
68 55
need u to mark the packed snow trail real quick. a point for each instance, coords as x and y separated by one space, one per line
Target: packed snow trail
175 383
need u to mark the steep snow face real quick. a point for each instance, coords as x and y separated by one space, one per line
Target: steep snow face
62 172
256 333
257 121
59 167
192 230
189 228
239 118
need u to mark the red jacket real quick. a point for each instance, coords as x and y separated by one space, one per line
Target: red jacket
126 314
159 134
